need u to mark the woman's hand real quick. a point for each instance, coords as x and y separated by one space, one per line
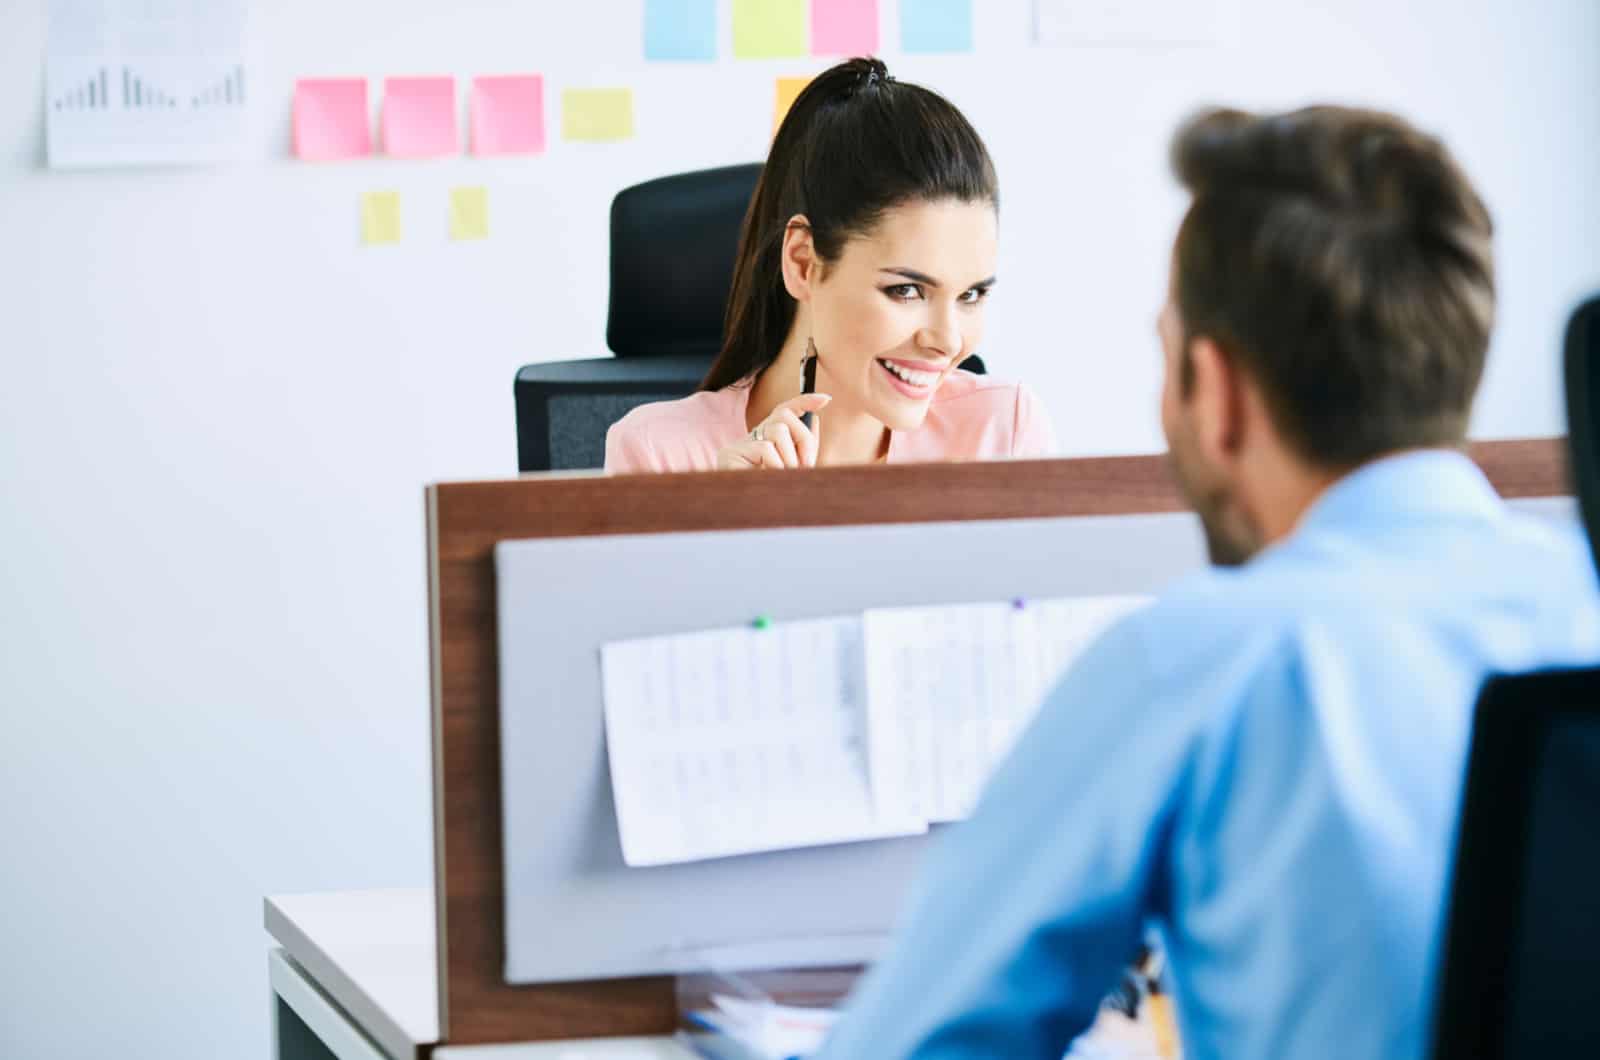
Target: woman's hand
780 440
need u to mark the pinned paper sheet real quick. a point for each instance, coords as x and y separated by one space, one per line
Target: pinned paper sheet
950 689
737 741
827 730
769 29
419 117
929 26
330 119
508 115
789 89
683 30
159 82
469 214
844 27
380 218
597 115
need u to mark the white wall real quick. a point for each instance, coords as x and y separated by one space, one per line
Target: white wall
217 413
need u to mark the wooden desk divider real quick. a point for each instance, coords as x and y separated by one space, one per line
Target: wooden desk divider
466 519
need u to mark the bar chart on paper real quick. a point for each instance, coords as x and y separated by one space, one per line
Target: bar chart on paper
148 112
129 88
160 82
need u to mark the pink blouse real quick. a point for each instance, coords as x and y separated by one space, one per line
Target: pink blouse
971 417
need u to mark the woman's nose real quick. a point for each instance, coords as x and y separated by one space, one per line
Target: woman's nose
940 334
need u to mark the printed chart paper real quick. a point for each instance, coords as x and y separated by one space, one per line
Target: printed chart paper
158 82
951 688
738 741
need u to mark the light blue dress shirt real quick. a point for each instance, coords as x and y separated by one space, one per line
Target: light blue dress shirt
1266 763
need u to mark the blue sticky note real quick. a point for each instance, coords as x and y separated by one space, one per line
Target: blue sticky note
936 25
680 30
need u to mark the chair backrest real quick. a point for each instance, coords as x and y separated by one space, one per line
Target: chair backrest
1521 969
673 243
1521 961
1583 407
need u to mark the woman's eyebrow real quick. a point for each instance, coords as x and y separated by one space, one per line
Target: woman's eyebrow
912 274
919 277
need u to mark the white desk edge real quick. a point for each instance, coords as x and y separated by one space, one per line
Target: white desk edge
373 956
373 953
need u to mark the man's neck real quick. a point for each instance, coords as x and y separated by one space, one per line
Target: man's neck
1282 488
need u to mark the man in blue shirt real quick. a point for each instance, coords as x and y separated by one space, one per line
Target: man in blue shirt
1267 762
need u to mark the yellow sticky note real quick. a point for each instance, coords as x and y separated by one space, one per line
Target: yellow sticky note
769 29
597 115
789 89
380 217
469 213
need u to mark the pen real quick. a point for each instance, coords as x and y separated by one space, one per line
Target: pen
808 385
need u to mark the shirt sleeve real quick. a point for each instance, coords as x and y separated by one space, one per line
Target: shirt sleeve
628 451
1035 437
1027 911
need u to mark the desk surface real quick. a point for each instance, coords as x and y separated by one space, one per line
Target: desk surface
373 953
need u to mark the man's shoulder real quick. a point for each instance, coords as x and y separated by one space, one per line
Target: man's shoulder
1533 572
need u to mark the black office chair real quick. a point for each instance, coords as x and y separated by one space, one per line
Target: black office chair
1583 413
673 243
1521 961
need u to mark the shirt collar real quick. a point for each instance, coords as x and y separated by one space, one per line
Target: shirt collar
1425 483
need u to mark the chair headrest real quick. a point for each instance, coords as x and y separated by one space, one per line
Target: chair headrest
1583 404
673 243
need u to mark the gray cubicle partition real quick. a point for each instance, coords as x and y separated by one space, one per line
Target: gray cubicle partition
573 909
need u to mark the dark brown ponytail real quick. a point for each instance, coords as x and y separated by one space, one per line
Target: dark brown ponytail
855 143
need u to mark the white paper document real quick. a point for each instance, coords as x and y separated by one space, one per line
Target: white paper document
738 741
146 82
950 689
826 731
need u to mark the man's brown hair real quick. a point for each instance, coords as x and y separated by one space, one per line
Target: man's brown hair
1343 260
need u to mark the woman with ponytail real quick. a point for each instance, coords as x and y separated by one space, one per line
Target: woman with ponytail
869 245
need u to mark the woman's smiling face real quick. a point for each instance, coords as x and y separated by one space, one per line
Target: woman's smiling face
901 307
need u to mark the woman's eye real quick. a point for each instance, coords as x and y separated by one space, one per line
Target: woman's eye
974 295
904 292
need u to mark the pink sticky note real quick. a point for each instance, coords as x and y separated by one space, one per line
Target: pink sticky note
419 117
508 115
844 27
330 119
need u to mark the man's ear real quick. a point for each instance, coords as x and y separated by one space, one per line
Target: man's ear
798 259
1219 400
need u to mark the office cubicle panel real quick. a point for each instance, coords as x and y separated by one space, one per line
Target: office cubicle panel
574 910
467 520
